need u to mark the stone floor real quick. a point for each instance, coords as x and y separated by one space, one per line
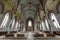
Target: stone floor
31 37
41 38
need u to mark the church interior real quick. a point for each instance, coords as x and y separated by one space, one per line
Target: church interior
29 20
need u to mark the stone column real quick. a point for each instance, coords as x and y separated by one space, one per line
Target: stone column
38 26
21 26
24 28
35 26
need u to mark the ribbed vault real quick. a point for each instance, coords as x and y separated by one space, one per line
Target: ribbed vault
29 8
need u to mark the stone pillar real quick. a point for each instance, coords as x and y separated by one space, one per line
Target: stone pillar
38 26
35 26
21 26
24 28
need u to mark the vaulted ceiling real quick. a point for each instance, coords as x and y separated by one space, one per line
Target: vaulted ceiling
21 6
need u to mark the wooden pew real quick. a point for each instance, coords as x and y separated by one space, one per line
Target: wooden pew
38 35
57 32
50 35
20 35
13 32
9 35
3 33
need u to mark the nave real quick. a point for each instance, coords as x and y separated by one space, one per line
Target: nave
12 28
29 19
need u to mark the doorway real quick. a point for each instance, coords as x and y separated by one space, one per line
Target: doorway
29 24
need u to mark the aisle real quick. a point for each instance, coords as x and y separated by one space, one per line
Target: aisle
30 36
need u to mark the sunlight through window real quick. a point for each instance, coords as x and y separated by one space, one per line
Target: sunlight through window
5 20
29 23
43 26
13 21
46 22
55 22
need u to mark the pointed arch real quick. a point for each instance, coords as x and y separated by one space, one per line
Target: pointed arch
43 26
13 22
46 23
54 20
5 20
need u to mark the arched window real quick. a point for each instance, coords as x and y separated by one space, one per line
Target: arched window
19 25
16 26
43 26
29 23
54 20
46 23
13 22
40 26
5 20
